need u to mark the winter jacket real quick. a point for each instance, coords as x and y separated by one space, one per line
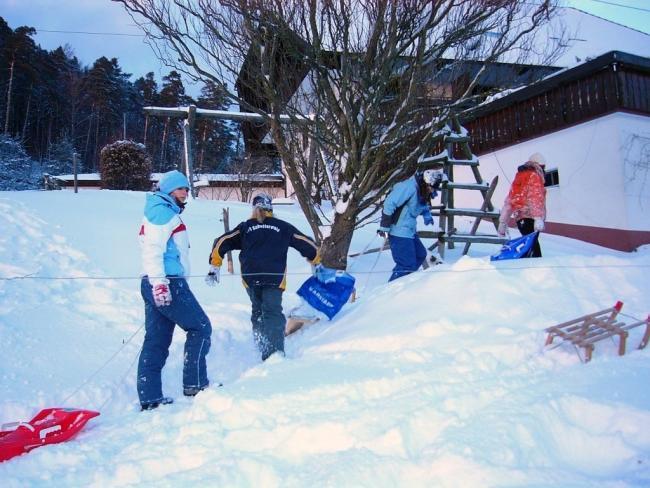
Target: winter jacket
401 208
264 248
527 196
163 239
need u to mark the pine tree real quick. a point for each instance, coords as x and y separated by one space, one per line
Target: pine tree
105 90
215 137
60 158
16 167
172 94
19 52
147 92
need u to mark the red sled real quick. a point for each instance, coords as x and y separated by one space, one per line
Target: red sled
50 426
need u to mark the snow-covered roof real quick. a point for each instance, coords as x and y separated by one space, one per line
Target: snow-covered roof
233 177
580 70
590 36
80 177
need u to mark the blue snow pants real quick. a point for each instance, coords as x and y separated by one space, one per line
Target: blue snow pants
408 254
267 319
185 312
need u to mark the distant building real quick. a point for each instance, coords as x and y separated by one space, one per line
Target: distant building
231 187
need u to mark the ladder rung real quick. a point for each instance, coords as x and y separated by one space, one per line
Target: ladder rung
468 186
432 160
469 212
429 234
476 238
463 162
456 138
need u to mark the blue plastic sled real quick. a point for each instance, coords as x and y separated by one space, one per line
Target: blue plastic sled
328 291
522 247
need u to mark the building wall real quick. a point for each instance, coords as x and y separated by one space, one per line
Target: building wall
233 194
604 190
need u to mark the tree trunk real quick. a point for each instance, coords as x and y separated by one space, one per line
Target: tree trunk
25 123
11 82
97 148
204 138
163 145
49 137
90 125
146 126
335 247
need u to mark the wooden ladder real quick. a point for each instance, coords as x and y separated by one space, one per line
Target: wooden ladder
455 134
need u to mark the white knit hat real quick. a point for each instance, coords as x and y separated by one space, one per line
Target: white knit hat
537 158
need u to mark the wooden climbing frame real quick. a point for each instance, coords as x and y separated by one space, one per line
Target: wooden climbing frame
451 136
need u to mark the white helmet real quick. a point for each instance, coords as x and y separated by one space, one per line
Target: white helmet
433 176
263 201
537 158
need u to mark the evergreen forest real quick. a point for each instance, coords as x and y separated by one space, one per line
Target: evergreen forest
52 106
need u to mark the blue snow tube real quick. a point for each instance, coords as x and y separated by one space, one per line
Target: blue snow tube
328 290
522 247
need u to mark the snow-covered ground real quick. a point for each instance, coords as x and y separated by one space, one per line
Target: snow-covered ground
437 379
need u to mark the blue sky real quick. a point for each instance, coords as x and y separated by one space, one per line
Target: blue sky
632 13
108 18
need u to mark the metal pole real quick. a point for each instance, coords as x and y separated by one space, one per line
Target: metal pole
226 227
74 170
188 125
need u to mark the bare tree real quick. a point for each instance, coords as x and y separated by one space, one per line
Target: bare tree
248 172
351 76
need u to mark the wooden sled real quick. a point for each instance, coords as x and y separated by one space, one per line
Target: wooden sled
297 323
585 331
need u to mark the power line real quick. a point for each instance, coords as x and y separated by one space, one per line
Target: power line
90 33
309 273
621 5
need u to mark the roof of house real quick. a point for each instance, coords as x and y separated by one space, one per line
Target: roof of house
592 36
561 77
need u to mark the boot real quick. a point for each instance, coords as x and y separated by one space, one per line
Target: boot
152 405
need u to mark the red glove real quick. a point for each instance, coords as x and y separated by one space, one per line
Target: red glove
161 295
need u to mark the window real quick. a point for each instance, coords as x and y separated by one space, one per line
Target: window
552 178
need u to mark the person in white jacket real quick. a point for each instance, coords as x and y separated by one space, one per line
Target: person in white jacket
168 300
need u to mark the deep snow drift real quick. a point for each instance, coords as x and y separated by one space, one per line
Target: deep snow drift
437 379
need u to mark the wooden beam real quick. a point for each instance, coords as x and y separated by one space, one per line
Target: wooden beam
188 127
226 227
204 113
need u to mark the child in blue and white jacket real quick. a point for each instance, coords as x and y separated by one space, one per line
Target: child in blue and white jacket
407 200
168 300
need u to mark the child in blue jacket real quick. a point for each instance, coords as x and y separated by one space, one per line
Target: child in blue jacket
407 200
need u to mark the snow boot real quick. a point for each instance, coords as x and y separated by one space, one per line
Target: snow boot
190 391
152 405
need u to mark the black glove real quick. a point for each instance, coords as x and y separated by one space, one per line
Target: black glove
381 233
386 221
